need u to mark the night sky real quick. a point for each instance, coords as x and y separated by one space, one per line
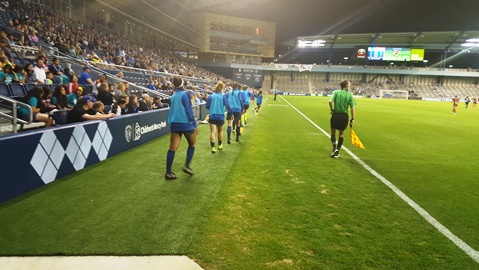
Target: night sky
310 17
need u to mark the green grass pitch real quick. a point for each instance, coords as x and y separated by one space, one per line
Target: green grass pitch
276 200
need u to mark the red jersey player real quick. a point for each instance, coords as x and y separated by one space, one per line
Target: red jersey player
455 102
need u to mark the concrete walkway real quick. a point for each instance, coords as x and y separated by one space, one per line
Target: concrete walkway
98 263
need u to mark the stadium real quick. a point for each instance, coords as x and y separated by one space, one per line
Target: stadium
92 194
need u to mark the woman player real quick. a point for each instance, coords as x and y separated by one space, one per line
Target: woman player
182 122
235 108
217 103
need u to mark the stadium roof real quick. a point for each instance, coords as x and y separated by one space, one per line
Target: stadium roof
451 41
210 5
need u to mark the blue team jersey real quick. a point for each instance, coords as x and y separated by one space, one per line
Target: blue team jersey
248 96
181 117
259 99
235 101
217 103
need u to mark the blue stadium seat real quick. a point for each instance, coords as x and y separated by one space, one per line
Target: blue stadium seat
27 61
17 61
18 90
53 86
29 86
5 90
60 117
87 89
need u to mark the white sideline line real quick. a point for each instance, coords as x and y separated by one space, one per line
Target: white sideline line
434 222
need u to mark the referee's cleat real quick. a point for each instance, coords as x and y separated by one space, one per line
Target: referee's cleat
335 153
188 170
220 147
170 176
213 149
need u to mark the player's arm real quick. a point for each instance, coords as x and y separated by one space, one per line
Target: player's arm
208 102
186 101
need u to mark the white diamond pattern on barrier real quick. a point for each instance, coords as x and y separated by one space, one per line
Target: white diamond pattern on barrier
48 157
102 141
78 148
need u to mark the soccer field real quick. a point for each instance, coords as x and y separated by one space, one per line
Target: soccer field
276 199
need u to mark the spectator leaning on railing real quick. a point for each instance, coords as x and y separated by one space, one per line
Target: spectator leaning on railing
84 111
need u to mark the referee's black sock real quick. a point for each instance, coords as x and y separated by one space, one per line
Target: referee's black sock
340 143
333 141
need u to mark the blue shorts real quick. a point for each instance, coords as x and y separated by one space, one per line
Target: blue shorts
183 132
235 115
218 123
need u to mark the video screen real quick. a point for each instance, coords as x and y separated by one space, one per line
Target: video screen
397 54
376 53
417 54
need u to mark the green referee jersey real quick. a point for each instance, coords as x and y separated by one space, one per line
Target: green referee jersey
342 99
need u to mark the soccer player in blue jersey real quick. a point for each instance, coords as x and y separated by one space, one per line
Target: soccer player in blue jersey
248 96
182 122
235 108
217 103
259 101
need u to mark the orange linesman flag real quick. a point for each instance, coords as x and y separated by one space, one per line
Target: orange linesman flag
355 140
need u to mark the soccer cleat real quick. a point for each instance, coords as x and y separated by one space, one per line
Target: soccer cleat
220 147
229 141
170 176
213 149
238 139
234 131
335 153
188 170
241 130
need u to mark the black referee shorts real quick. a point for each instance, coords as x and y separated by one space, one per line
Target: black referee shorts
339 121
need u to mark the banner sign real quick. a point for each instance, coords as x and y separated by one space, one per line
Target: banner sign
40 157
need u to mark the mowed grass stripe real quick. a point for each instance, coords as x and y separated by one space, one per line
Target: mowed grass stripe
421 211
422 148
290 206
121 206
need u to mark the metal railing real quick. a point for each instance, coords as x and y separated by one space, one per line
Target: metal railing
8 112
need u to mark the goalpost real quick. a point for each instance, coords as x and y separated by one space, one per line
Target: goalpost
394 94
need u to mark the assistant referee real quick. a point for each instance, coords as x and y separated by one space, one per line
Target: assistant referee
339 103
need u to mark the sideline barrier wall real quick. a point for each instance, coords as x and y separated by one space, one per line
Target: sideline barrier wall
36 158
